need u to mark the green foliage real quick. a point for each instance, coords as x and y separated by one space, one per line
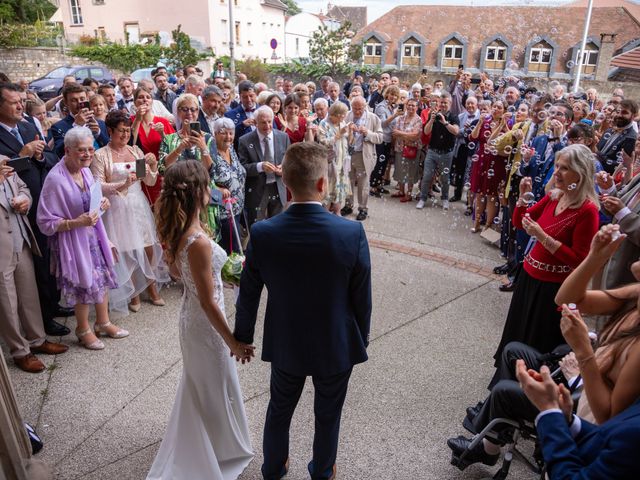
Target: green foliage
22 35
181 53
26 11
305 69
331 48
292 7
254 69
125 58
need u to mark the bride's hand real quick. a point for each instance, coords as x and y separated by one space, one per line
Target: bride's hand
242 351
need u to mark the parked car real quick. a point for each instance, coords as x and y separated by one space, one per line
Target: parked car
141 74
50 85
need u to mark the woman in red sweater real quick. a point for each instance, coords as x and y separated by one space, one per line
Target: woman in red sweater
562 224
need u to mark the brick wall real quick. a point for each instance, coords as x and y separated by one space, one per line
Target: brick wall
32 63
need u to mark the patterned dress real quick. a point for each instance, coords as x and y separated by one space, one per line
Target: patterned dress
339 161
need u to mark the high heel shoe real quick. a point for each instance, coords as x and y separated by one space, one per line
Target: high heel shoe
134 307
158 302
97 345
100 329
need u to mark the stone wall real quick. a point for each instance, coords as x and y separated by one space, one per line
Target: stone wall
32 63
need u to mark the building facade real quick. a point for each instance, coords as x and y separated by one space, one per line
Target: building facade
206 22
540 41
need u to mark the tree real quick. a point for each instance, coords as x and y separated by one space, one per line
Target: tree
331 47
181 53
26 11
292 7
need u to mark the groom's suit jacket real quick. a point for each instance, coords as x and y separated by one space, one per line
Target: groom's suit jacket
317 271
604 451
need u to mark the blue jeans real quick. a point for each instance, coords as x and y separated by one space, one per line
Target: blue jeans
442 163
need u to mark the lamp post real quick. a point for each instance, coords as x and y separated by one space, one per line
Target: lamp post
232 25
580 59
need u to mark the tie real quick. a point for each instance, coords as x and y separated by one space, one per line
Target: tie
251 110
16 133
268 157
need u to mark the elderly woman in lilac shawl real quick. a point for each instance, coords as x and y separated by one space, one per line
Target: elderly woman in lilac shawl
81 256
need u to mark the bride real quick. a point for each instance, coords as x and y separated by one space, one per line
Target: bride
207 436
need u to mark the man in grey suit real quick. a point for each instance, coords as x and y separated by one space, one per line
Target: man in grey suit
261 152
21 324
624 205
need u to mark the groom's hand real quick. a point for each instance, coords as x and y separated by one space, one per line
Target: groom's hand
242 352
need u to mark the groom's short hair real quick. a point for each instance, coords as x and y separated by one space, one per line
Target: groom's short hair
304 164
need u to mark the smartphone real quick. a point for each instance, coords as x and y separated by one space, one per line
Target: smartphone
141 168
475 81
423 92
424 71
19 164
194 126
86 105
461 67
216 197
401 107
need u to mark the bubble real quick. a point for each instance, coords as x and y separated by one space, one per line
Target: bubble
537 179
237 115
570 64
493 124
607 135
471 145
467 186
475 158
554 30
496 220
528 197
493 142
547 106
573 186
494 151
382 158
511 109
490 172
487 134
445 171
600 118
542 115
251 145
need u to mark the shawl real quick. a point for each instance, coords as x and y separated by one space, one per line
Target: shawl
60 200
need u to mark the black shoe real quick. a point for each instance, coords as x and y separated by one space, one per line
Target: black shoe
55 329
460 445
455 198
472 412
436 188
502 269
467 212
346 211
386 183
384 191
64 312
507 287
375 193
362 215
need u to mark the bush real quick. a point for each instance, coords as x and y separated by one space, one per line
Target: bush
21 35
125 58
254 69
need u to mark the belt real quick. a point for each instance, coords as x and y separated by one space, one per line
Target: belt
545 267
441 152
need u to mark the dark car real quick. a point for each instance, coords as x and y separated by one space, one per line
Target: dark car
50 85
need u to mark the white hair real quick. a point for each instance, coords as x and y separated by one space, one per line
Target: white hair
416 86
264 110
321 101
194 80
76 135
223 123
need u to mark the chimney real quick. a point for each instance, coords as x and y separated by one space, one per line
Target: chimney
607 47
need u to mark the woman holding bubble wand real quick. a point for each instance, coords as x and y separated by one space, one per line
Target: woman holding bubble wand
561 226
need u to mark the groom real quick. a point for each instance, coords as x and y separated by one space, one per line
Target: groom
317 271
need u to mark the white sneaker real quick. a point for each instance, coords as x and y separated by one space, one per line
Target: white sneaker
420 204
445 204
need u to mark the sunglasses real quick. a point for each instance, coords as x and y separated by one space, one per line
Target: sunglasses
188 109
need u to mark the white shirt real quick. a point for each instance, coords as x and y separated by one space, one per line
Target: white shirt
270 176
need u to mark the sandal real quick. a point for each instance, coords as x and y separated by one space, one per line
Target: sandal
100 329
97 345
397 195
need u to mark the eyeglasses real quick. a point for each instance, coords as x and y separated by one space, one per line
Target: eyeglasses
188 109
89 150
123 130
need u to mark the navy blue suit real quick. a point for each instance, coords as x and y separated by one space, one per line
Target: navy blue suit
607 451
317 271
238 115
59 130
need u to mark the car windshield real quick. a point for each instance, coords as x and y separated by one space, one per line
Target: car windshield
141 74
59 72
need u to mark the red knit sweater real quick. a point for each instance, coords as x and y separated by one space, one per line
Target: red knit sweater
574 228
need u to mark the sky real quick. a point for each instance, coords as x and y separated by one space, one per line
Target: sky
377 8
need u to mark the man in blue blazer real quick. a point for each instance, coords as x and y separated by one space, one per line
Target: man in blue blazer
243 114
317 271
74 95
574 448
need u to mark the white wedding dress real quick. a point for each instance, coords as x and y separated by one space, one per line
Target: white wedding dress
207 436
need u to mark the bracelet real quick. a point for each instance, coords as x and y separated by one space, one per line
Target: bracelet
586 359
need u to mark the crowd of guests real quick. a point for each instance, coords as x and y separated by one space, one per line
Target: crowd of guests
544 168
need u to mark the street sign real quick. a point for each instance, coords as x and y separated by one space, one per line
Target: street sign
274 43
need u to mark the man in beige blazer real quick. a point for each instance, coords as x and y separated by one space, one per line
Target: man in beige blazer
21 324
367 133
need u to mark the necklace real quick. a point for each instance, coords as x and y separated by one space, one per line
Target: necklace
119 154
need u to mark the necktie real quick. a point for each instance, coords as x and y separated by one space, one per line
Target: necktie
268 157
16 133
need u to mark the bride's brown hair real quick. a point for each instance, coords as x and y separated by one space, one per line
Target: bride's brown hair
183 192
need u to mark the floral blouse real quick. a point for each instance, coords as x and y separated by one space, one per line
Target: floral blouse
232 177
172 141
405 124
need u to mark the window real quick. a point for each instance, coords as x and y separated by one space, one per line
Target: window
297 46
224 31
98 2
238 33
132 33
373 53
540 55
96 73
498 54
590 58
81 74
453 52
76 13
411 52
101 34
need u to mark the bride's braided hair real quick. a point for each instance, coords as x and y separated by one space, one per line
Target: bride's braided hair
183 192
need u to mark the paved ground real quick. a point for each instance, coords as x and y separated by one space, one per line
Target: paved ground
437 318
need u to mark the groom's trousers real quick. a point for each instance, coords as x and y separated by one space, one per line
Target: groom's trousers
286 389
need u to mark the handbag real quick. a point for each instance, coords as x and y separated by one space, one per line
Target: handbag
232 268
409 151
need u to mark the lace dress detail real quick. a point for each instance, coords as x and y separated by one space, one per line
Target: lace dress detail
207 436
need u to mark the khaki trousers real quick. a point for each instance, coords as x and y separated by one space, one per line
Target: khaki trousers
20 306
358 173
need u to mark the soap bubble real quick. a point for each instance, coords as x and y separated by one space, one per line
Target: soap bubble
445 171
471 146
528 197
490 172
573 186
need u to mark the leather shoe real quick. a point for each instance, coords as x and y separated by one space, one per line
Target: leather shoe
50 348
375 193
507 287
55 329
362 215
501 269
460 445
472 412
29 363
455 198
333 470
64 312
346 211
